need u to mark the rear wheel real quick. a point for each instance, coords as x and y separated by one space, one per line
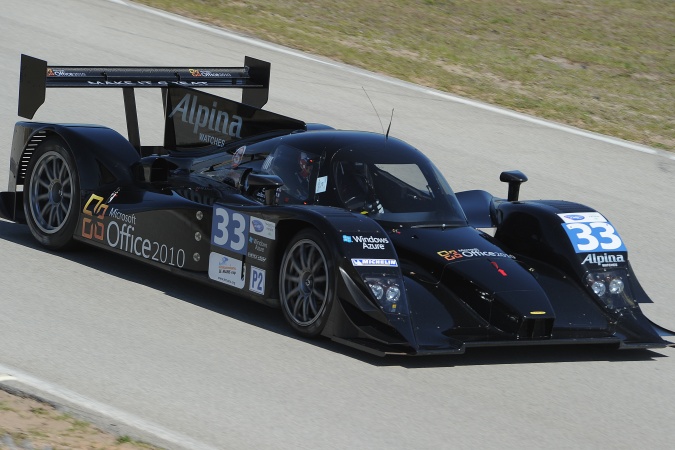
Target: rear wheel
51 197
307 283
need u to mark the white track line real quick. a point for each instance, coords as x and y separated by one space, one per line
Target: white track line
102 408
399 83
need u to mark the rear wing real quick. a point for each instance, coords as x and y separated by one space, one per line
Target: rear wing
37 76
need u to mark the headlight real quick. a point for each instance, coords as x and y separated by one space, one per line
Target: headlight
611 288
387 292
393 294
616 286
377 290
599 288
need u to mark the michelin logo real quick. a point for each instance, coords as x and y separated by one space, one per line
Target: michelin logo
360 262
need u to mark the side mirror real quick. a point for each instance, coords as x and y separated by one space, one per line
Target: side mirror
514 178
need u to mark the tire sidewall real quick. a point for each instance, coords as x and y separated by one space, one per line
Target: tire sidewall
316 327
63 238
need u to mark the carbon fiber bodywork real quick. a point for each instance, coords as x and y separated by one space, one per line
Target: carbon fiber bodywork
210 206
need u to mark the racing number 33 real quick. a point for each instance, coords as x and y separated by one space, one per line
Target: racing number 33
594 236
230 229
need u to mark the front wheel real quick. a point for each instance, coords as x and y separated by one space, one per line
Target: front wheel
51 198
307 283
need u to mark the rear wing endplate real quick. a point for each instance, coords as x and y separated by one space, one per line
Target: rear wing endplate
36 76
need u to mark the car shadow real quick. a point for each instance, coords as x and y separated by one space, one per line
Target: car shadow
271 319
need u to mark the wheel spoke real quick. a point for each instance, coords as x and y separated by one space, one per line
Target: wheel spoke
293 291
61 212
310 257
293 279
296 306
50 169
313 306
304 308
320 279
303 256
51 216
295 267
44 211
62 171
320 295
317 265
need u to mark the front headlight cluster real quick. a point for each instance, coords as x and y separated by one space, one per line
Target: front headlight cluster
387 292
611 288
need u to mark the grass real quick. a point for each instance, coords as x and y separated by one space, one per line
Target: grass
602 65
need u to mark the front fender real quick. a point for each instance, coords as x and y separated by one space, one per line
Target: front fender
361 249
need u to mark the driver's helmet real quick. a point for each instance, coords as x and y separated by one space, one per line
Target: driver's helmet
305 163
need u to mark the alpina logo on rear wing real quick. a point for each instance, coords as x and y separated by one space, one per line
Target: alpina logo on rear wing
195 119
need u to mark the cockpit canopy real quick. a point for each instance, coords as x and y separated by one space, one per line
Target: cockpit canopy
366 173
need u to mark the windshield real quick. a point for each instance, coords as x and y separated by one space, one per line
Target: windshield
402 187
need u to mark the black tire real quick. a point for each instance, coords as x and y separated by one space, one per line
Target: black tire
307 283
51 195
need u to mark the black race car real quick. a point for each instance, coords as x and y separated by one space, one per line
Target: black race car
355 236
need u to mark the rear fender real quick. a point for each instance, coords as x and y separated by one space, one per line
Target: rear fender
103 157
92 146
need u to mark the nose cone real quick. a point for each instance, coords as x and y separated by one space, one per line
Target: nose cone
503 293
482 276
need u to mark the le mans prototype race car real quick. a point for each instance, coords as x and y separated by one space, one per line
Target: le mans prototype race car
356 236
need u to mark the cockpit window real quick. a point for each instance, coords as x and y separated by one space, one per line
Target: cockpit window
296 168
394 189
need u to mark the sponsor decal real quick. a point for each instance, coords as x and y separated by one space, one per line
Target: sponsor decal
263 227
367 242
258 246
589 237
122 236
238 156
230 229
321 184
213 140
208 73
257 282
148 83
128 218
226 270
92 224
62 73
359 262
604 260
451 255
205 117
113 196
582 217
